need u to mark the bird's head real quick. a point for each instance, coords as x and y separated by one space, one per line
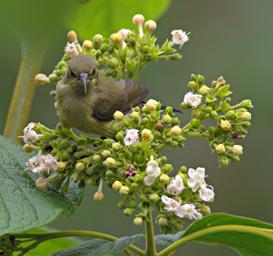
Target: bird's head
83 70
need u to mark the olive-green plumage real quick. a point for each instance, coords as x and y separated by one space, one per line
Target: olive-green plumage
87 100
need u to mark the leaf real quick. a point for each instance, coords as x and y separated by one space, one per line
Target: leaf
248 236
22 206
109 16
223 91
100 247
166 240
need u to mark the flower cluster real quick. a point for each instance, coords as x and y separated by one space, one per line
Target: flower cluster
123 54
132 161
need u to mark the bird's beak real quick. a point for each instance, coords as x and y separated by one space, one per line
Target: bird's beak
83 77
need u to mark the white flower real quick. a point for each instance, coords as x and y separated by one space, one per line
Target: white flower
42 163
197 178
30 135
176 186
192 99
188 211
152 171
71 49
206 193
131 138
171 205
179 37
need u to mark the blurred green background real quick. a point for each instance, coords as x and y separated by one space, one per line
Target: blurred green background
230 38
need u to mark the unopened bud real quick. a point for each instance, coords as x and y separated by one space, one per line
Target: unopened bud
125 33
204 90
176 130
224 160
128 211
237 150
205 209
89 181
245 116
41 79
150 25
220 149
29 148
135 115
87 45
53 78
118 116
98 38
80 166
110 162
138 19
225 125
97 157
61 166
98 196
41 184
162 221
167 168
105 153
166 119
151 105
116 146
116 38
154 197
164 178
159 126
138 221
117 185
146 134
72 36
124 190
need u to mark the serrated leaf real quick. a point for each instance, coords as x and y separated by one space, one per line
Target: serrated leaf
100 247
250 237
108 16
166 240
22 206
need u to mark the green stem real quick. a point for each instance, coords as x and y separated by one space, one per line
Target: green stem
150 242
76 233
20 106
211 230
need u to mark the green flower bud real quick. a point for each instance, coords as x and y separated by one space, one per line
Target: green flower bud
195 122
118 116
246 104
135 115
120 136
117 185
105 153
205 209
41 79
80 166
124 190
167 119
245 116
214 114
138 221
183 169
204 90
96 157
128 211
237 150
61 166
98 38
87 45
89 181
230 114
53 78
109 174
121 205
134 186
224 160
162 221
192 85
220 149
200 78
110 162
29 148
151 105
225 125
154 197
41 184
167 168
116 146
164 178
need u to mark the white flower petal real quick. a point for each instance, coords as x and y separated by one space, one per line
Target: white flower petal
149 180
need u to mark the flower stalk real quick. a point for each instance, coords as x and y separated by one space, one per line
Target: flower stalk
149 229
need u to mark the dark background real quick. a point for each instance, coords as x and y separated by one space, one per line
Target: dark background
230 38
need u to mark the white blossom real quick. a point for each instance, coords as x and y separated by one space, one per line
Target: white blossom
152 171
179 37
176 186
188 211
30 135
196 178
71 49
131 138
42 163
171 205
206 193
192 99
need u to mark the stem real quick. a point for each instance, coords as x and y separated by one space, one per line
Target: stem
150 243
19 109
76 233
211 230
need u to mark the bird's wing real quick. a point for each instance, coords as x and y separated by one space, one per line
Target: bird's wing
112 96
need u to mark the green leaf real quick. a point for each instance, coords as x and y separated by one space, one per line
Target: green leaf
109 16
22 206
248 236
100 247
166 240
223 91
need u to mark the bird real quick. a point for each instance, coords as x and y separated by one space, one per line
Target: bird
87 100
